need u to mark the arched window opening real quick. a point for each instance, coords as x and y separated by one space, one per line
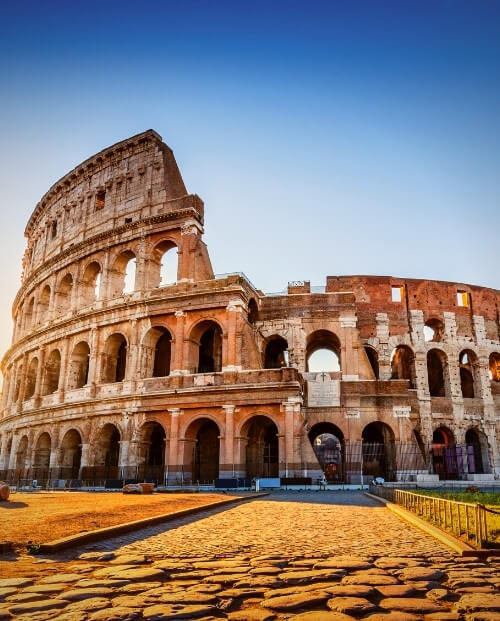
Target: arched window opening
379 454
276 353
152 452
210 349
494 364
323 352
115 360
123 274
63 298
433 330
467 360
445 457
162 356
436 361
29 315
52 372
43 305
91 284
372 356
164 264
403 364
203 436
262 449
71 455
22 453
29 391
253 311
129 279
42 457
328 445
79 366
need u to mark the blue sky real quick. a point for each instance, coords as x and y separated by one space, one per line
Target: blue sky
324 137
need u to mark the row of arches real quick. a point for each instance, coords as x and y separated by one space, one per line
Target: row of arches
200 452
380 456
71 291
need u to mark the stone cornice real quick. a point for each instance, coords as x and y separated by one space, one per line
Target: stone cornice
178 214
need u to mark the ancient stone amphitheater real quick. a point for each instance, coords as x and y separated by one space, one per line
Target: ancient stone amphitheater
131 360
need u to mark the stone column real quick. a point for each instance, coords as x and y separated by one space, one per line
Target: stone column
228 467
39 377
187 251
84 460
174 461
94 359
133 358
384 355
4 459
63 372
22 385
349 354
13 452
231 357
178 366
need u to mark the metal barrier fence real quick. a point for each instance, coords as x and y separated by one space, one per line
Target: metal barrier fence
466 520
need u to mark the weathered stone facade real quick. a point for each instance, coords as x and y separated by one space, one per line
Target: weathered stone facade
208 377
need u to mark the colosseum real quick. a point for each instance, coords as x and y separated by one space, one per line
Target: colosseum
131 360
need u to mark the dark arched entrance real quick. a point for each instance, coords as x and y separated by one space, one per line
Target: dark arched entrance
206 453
152 458
444 454
328 445
262 450
475 461
379 451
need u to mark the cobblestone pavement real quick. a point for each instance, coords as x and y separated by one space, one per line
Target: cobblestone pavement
292 555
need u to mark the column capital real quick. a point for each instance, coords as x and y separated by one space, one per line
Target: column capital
229 409
174 411
179 313
235 306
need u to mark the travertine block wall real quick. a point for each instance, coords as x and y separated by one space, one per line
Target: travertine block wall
82 360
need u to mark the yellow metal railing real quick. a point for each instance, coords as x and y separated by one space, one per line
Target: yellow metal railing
465 520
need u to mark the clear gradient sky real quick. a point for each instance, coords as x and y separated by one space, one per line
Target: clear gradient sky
324 137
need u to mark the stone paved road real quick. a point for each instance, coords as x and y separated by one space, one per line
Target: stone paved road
293 555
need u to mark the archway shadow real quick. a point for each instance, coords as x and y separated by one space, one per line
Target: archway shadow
352 498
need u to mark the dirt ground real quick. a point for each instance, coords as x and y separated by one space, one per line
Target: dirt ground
39 517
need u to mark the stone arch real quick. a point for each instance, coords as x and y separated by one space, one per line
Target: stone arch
70 454
43 305
403 364
445 454
52 372
494 366
378 447
22 453
372 355
165 264
122 275
202 449
253 311
275 352
468 367
323 352
29 315
157 352
107 451
328 445
78 374
63 294
114 359
31 376
438 373
260 446
41 462
433 330
476 442
206 347
151 447
90 287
